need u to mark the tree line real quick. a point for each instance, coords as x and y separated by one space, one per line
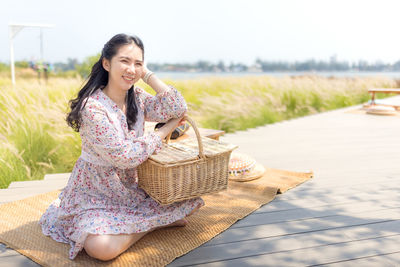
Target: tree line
259 65
83 68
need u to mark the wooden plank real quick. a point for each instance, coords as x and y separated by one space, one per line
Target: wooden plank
261 218
210 133
373 185
336 196
250 248
327 179
327 201
13 194
56 176
56 184
386 186
385 90
314 256
393 257
369 261
9 258
304 226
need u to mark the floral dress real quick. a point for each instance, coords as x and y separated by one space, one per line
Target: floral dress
102 195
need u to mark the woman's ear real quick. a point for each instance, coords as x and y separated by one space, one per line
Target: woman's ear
106 64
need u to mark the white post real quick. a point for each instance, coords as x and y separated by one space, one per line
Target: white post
13 30
41 45
12 55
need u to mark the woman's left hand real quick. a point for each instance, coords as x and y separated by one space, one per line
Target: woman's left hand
152 80
145 70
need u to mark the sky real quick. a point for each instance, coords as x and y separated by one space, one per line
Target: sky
185 31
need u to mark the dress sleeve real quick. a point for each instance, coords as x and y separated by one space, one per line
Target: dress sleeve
162 107
102 137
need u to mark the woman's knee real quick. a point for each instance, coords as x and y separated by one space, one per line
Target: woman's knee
101 247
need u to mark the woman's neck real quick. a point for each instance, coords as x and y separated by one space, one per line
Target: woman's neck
118 96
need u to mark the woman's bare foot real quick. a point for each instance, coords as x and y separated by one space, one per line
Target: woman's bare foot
194 210
180 223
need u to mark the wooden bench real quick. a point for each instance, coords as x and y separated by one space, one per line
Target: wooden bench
382 90
210 133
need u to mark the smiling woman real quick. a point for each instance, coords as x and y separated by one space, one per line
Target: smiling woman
124 69
102 209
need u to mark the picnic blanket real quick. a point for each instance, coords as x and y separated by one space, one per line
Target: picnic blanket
19 228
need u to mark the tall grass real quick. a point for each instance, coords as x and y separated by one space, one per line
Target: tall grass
36 139
238 103
33 131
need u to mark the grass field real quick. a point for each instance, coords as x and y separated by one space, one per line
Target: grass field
36 139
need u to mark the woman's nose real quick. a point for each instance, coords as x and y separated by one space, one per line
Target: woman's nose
132 69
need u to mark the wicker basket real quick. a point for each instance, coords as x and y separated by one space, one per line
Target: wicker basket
186 169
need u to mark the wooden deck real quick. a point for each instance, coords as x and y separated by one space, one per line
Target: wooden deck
348 215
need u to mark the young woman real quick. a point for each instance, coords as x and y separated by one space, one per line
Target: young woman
101 209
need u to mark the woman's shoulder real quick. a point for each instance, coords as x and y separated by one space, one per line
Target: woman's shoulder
94 102
141 95
140 91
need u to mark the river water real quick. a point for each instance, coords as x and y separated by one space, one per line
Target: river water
194 75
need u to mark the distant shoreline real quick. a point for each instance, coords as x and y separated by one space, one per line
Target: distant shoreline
338 74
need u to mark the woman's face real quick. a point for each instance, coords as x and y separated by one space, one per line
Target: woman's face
125 67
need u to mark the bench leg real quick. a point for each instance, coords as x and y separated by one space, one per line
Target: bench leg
373 98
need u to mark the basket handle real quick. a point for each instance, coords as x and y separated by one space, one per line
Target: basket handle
196 130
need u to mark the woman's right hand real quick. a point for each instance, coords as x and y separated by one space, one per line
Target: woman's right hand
169 126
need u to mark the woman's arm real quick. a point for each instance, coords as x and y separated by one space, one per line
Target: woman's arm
167 104
154 82
102 138
169 127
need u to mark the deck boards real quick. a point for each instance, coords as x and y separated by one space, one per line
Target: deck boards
288 244
311 256
348 215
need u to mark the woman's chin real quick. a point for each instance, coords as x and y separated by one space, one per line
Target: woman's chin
126 86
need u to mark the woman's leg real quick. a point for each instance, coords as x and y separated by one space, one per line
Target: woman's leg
108 247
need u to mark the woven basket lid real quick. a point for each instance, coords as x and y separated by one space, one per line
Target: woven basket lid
188 150
169 154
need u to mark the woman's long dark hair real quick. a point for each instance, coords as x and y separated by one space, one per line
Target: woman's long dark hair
98 77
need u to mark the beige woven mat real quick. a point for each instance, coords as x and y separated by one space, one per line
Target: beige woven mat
19 227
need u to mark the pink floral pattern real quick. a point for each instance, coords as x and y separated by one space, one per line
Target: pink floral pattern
102 195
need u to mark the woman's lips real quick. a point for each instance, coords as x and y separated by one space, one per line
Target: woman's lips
128 78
